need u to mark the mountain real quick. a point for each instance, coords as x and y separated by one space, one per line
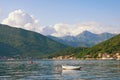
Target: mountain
20 42
67 40
110 46
68 51
85 39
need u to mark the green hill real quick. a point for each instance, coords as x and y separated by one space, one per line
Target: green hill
68 51
110 46
16 41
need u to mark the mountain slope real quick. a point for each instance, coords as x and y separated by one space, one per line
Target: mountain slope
68 51
110 46
7 50
26 43
85 39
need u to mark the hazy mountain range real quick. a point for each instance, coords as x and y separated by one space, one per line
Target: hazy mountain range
84 39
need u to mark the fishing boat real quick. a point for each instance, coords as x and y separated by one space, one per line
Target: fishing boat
67 67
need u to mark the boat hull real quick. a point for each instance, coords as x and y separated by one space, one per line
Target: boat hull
71 67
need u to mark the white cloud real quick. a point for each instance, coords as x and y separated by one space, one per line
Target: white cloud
62 29
75 29
48 30
20 19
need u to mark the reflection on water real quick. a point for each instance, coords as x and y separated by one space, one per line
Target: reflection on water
51 70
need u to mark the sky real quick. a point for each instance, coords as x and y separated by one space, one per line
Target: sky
62 17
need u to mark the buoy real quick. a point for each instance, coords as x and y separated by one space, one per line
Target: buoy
31 62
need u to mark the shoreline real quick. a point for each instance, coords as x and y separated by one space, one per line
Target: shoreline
56 58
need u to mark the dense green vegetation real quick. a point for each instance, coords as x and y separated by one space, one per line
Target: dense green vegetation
110 46
7 50
16 41
68 51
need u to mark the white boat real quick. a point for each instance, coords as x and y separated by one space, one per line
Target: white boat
66 67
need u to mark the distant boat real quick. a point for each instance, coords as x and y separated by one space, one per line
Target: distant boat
31 62
67 67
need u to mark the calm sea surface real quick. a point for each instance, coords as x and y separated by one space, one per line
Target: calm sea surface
51 70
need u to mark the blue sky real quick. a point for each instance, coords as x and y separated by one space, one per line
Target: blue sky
50 12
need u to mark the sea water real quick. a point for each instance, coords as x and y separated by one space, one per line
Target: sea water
51 70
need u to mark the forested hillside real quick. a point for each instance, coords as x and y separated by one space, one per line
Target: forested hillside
16 41
110 46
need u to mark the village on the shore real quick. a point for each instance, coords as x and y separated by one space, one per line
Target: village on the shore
101 56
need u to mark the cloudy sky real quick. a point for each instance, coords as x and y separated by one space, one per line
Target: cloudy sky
62 17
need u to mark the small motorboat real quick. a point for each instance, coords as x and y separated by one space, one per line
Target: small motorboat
67 67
